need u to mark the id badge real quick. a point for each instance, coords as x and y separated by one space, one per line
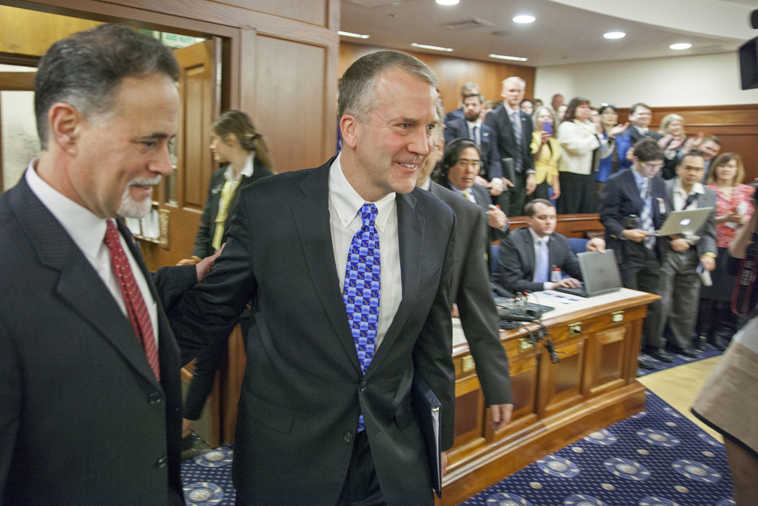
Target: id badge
661 206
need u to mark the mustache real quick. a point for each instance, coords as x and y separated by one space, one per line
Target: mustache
145 181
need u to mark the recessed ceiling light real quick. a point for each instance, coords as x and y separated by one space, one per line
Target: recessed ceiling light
614 35
433 48
511 58
351 34
448 2
680 46
524 19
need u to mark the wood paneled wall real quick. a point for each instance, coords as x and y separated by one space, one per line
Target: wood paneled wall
736 126
452 72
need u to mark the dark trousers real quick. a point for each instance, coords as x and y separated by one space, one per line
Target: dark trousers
640 270
206 365
361 484
512 200
578 193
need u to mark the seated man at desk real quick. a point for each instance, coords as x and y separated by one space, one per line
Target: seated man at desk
529 255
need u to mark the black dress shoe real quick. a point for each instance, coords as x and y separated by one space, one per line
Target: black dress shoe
661 355
645 363
687 352
719 342
699 343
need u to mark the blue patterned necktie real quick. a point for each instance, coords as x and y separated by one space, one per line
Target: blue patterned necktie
646 219
517 136
542 263
361 289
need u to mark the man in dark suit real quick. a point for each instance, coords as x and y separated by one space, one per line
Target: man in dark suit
471 127
350 270
528 255
471 290
468 88
682 254
632 208
458 171
513 129
640 116
90 393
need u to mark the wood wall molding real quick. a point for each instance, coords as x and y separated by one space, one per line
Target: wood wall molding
736 126
452 72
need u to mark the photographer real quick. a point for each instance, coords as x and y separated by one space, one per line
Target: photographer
632 207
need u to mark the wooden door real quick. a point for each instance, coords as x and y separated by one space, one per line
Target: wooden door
182 195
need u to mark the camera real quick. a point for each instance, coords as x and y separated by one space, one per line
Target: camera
631 221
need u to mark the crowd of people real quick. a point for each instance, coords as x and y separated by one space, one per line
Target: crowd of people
345 277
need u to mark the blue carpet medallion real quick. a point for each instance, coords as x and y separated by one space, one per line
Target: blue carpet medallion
657 457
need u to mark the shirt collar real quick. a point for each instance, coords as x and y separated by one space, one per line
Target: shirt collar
85 228
509 110
246 171
639 178
347 202
696 188
426 185
537 238
641 130
474 123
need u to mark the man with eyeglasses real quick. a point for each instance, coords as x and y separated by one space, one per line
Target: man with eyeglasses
684 255
632 208
459 167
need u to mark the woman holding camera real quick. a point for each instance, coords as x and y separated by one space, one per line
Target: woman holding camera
734 206
547 153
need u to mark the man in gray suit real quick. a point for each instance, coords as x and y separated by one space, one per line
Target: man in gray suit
682 254
471 289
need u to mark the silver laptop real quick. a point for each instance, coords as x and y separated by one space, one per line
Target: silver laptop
686 222
600 273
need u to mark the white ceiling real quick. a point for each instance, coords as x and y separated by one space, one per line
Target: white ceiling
563 32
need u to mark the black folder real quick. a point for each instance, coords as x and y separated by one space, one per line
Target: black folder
428 408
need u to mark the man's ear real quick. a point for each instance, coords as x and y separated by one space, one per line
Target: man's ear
64 126
349 126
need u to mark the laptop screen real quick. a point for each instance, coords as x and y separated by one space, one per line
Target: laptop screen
600 272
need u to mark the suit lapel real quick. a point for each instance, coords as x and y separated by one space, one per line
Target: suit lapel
531 261
311 216
410 231
79 285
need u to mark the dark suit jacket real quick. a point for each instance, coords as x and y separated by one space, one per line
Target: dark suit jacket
482 197
82 418
204 237
628 139
471 292
491 166
516 260
707 232
303 388
507 146
621 198
455 113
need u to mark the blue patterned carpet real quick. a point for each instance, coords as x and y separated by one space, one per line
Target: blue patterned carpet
657 457
708 352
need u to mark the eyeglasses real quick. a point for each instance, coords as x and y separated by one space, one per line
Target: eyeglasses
464 162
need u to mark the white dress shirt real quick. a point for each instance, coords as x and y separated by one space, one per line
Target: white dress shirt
680 195
345 221
88 233
538 241
247 170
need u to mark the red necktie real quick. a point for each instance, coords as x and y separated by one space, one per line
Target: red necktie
135 304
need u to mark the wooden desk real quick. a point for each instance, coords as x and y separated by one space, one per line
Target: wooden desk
591 387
